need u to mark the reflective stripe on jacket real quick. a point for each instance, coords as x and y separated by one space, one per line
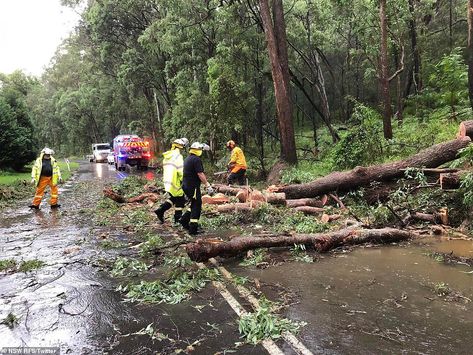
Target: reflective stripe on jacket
173 164
237 158
38 165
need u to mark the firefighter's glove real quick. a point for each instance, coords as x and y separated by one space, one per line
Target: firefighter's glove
33 181
210 190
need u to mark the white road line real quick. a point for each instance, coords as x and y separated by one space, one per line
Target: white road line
246 294
268 344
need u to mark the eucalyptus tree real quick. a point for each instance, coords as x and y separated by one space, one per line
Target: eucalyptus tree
17 132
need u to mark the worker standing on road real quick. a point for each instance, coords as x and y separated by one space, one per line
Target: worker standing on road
45 172
193 176
237 164
172 177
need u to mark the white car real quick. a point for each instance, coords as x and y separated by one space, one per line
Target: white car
111 159
100 152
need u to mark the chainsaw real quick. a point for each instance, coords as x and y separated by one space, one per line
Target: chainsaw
219 173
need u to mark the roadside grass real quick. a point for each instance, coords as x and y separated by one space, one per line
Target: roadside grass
11 320
16 185
12 177
11 265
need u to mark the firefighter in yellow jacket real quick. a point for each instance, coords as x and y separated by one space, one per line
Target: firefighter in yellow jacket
237 164
45 173
172 177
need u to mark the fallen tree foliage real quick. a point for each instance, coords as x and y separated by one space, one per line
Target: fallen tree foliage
151 196
204 249
431 157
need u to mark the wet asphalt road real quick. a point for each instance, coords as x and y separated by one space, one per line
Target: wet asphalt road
71 304
372 300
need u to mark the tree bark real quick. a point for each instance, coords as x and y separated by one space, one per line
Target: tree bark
277 49
203 250
313 202
440 217
360 176
470 51
383 77
415 49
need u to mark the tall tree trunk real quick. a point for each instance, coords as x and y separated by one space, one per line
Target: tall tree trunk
277 48
383 77
470 51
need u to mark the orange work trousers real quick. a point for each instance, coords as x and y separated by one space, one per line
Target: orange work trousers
43 182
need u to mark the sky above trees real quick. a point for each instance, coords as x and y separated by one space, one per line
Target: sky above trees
30 32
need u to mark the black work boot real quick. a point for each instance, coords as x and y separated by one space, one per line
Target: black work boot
161 209
55 206
193 228
34 207
185 219
177 216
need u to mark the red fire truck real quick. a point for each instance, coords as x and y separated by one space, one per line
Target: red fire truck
132 150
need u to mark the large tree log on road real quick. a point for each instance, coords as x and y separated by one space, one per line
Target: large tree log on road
360 176
203 250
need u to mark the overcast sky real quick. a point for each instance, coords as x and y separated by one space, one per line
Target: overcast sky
30 31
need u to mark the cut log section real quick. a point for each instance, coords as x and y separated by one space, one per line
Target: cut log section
203 250
312 202
238 207
218 199
451 180
275 198
360 176
466 129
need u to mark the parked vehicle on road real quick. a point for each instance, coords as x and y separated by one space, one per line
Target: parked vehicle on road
111 158
132 150
100 152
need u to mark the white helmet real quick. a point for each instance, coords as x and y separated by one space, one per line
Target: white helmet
47 151
181 141
201 146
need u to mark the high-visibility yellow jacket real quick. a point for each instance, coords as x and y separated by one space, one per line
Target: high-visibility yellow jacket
38 165
237 160
173 169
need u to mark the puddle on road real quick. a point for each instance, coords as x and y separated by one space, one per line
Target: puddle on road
457 247
378 300
372 300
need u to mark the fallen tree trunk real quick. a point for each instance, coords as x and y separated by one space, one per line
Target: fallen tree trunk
466 129
108 192
440 217
203 250
360 176
275 198
313 202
